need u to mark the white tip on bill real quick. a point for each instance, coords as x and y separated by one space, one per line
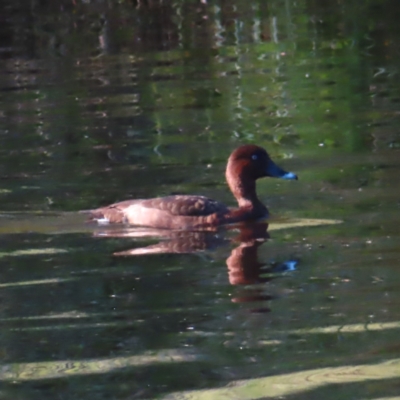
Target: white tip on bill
289 175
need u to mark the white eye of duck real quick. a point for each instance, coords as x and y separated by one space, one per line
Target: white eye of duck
254 157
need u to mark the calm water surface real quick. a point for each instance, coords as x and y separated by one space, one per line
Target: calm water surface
100 103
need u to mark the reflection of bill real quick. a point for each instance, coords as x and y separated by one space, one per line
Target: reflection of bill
243 265
244 268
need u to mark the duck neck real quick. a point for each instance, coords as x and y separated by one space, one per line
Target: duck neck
245 193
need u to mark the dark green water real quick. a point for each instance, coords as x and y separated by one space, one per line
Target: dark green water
101 102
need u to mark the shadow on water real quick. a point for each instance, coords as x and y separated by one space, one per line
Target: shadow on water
244 268
243 265
115 315
104 344
85 326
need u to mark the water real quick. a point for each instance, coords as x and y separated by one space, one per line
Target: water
100 103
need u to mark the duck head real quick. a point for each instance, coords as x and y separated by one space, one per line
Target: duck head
247 164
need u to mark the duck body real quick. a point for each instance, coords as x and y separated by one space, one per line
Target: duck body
170 212
183 212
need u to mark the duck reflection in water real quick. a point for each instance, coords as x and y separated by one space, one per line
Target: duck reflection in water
244 268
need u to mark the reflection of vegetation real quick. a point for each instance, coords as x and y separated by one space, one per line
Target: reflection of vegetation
302 223
298 382
57 369
162 75
32 252
36 282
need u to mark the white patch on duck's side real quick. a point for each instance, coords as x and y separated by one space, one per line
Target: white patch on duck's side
102 221
136 214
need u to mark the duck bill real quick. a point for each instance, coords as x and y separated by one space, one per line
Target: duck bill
277 172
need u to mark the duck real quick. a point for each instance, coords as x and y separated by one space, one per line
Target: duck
246 164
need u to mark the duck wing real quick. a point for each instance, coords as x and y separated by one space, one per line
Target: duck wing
185 205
